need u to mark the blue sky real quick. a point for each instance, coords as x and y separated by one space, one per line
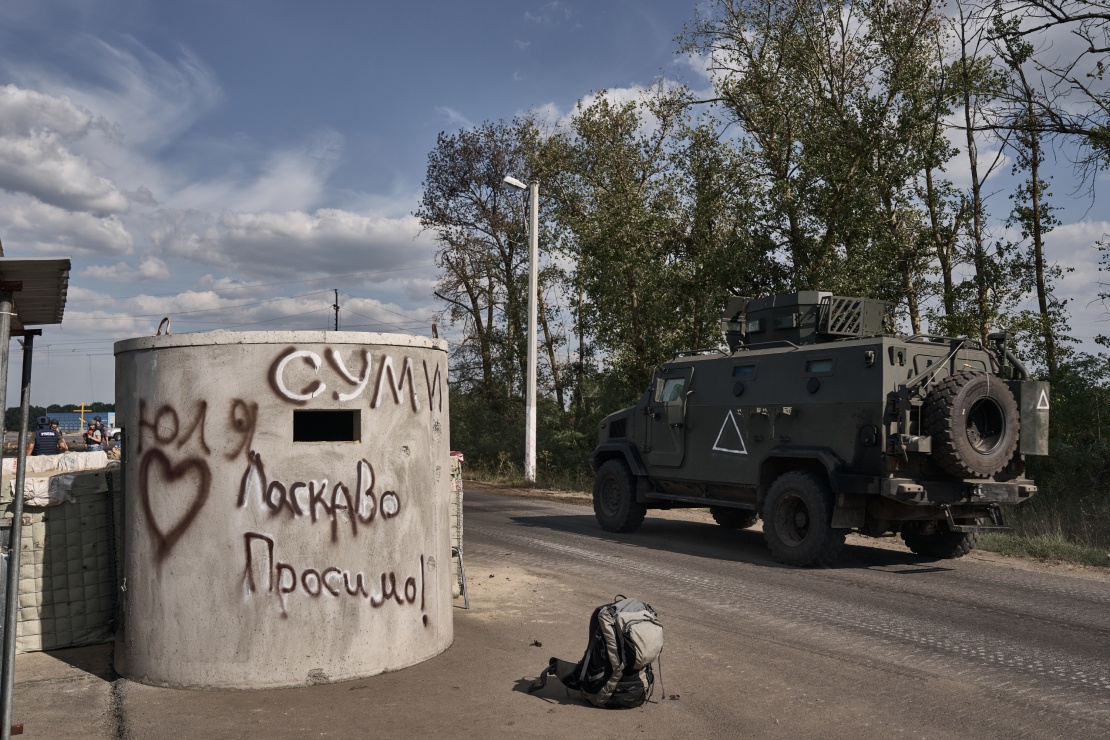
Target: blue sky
177 150
203 160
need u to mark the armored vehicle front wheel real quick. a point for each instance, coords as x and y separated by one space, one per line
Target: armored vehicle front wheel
797 520
615 504
973 419
730 518
936 540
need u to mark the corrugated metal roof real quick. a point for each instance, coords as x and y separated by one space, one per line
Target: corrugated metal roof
45 285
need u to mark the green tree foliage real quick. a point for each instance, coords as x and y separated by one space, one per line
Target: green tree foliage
832 102
823 160
1074 479
11 417
654 211
11 414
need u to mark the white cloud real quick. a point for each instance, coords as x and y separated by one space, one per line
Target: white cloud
289 179
33 226
23 112
151 100
88 140
551 115
1073 246
143 196
209 310
41 166
700 64
550 13
453 117
295 243
36 156
150 268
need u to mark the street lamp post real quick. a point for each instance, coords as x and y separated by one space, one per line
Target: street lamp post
533 258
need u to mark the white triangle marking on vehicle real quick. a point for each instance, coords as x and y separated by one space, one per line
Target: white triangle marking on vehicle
1042 402
724 425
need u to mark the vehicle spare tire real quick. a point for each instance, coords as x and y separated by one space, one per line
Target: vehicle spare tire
973 419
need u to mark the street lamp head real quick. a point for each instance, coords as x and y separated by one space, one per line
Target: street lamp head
513 182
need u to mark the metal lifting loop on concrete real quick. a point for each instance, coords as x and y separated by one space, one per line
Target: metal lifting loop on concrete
166 323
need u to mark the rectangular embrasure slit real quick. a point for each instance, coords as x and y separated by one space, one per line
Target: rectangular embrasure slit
326 426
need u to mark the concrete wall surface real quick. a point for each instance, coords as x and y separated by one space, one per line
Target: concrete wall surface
286 507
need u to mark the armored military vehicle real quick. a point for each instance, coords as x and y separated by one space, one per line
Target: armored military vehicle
821 420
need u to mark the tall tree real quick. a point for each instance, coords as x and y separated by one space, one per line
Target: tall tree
615 200
483 254
765 70
945 207
978 86
1032 212
828 99
902 116
1070 52
713 252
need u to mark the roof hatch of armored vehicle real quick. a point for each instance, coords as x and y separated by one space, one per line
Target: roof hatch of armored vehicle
806 317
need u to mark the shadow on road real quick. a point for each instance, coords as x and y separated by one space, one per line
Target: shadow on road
711 541
553 693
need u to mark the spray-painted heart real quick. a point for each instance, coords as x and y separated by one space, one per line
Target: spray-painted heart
171 473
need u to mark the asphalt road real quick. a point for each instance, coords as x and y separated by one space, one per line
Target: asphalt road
886 644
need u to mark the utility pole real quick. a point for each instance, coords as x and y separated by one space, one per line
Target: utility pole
533 258
336 307
533 189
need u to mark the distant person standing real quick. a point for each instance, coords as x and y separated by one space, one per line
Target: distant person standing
105 441
46 439
62 446
94 438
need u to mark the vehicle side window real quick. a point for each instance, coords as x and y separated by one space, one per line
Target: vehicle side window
743 372
823 366
672 390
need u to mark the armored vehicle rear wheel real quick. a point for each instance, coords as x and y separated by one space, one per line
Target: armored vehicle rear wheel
973 419
730 518
938 541
797 520
615 504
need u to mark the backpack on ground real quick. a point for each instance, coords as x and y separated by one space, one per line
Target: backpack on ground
626 637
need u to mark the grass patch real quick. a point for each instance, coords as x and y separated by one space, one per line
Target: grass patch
548 477
1044 547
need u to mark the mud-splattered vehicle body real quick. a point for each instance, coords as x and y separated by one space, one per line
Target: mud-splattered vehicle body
821 422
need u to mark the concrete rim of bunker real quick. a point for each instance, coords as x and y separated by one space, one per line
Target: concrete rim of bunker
277 337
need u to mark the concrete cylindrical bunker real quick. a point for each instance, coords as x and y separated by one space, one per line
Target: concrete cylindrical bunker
286 506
